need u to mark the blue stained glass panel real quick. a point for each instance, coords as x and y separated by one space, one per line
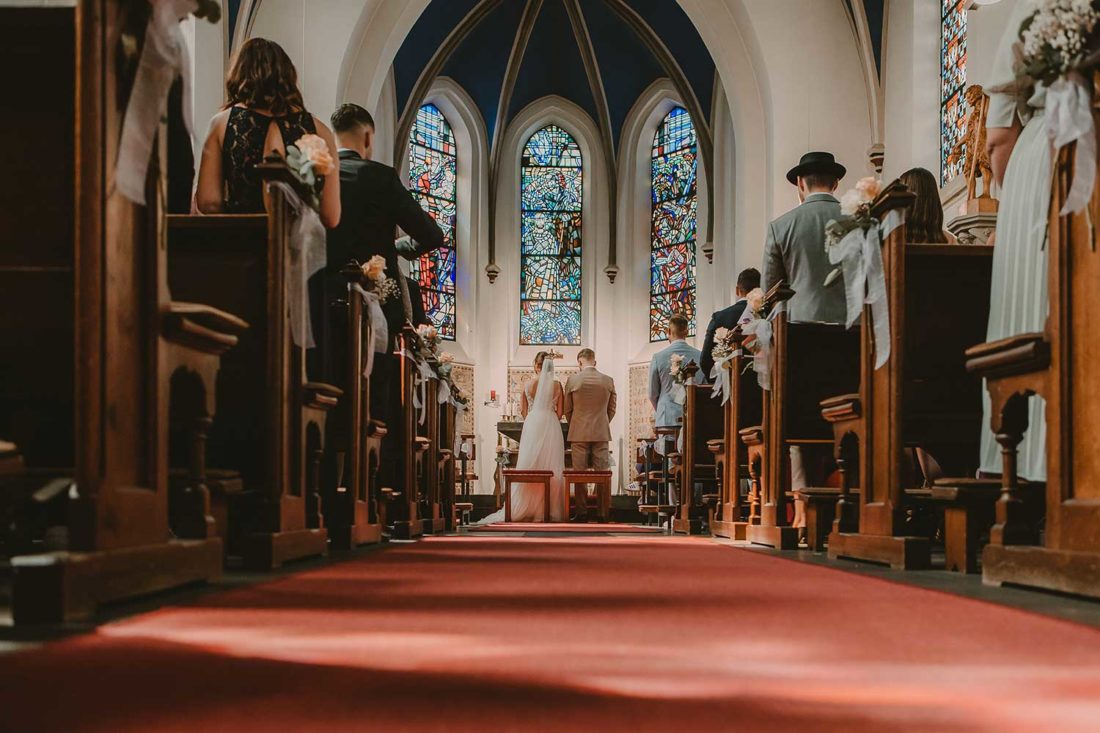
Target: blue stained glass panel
551 194
953 107
674 175
674 223
551 233
433 168
551 189
550 322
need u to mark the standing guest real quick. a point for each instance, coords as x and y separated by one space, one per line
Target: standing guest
727 318
924 221
375 204
590 408
661 381
264 113
1020 155
795 252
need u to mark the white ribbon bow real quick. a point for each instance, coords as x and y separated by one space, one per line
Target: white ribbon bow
308 252
721 377
379 329
1069 119
163 57
761 330
859 255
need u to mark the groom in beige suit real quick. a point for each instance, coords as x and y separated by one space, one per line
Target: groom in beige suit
589 407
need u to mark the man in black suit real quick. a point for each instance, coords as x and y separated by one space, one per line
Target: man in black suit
374 203
728 318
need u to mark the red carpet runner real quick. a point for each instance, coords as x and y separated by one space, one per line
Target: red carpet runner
594 634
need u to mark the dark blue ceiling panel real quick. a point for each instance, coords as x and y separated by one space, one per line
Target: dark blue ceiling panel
479 64
875 17
431 28
626 65
552 64
672 25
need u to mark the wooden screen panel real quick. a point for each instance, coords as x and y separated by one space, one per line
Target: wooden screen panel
36 239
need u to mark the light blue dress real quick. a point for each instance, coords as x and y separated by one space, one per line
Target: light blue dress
1018 297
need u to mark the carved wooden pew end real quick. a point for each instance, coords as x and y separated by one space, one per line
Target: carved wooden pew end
969 510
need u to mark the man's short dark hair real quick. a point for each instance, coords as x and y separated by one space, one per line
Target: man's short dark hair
749 279
586 355
678 325
348 117
820 180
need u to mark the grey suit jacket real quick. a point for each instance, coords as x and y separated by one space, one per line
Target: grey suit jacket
795 252
661 381
589 406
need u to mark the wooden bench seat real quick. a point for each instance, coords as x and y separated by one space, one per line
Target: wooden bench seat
515 475
600 479
969 510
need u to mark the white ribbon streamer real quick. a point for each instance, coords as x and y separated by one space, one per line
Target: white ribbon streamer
721 377
308 252
1069 119
163 58
379 329
761 330
859 255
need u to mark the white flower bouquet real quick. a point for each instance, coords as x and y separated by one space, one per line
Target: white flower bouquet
855 210
376 281
1056 38
310 161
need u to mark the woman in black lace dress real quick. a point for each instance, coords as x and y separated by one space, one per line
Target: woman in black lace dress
264 114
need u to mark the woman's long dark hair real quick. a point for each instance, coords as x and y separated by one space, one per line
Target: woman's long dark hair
924 222
264 78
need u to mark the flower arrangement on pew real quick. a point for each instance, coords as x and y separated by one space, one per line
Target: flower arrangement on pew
375 279
1059 47
682 375
855 210
309 160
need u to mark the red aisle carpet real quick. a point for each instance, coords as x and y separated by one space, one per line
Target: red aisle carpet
568 528
594 634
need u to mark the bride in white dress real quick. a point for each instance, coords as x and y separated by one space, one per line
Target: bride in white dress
541 448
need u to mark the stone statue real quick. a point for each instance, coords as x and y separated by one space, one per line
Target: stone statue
977 159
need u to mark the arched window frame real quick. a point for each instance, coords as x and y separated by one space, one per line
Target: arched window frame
433 180
953 107
551 152
673 224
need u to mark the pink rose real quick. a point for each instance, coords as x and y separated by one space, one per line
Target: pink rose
315 150
755 300
869 187
375 267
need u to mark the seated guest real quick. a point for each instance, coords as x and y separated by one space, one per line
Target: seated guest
263 114
375 204
661 380
795 252
727 318
924 220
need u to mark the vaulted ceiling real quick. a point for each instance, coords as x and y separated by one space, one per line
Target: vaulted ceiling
553 61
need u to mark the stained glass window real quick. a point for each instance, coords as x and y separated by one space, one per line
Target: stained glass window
432 178
953 107
675 204
550 239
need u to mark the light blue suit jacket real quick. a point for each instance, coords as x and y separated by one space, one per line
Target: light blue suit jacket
661 382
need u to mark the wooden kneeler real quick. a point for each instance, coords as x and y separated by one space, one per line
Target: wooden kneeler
600 479
515 475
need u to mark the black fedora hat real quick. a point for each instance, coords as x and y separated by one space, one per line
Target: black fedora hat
816 163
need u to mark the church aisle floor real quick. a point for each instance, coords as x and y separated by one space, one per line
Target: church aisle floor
497 633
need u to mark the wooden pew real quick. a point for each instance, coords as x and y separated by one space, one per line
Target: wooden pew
448 475
938 297
271 422
703 420
106 331
403 505
1061 365
745 407
429 470
810 362
352 503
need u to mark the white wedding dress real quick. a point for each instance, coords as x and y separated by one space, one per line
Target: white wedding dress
541 448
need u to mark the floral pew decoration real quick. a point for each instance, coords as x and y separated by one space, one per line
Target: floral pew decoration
752 334
370 282
854 244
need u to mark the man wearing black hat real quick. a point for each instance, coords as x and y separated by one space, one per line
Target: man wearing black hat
795 252
795 249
